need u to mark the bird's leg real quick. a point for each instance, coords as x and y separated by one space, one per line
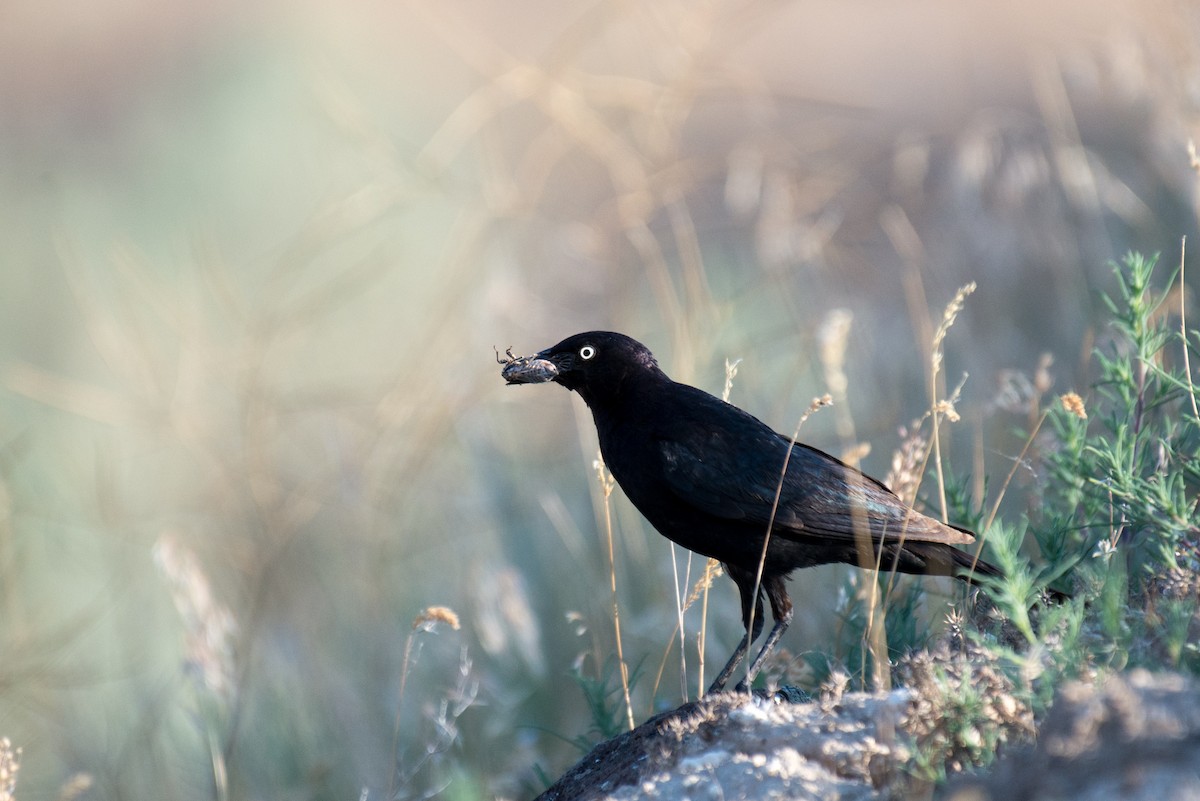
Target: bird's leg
772 640
745 583
735 660
781 610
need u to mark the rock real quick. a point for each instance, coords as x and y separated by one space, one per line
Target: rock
733 746
1136 738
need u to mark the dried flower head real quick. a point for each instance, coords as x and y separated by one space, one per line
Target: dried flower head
832 690
1015 392
10 765
432 615
833 336
854 454
907 461
946 409
948 318
731 368
210 627
76 786
1074 404
712 570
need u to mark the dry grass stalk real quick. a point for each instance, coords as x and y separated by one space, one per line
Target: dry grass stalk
209 625
712 568
937 407
813 407
1183 334
833 336
425 621
607 482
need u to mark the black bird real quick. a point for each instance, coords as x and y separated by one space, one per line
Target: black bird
706 475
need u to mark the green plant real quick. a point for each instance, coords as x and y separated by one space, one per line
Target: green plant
1132 476
1115 518
965 706
604 694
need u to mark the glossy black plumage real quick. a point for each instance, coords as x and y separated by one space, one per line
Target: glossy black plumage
705 474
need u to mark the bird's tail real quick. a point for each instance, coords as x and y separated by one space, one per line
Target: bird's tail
967 566
940 559
937 559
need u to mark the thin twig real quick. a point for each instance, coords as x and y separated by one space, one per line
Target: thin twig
731 369
816 404
1187 363
679 621
1013 471
700 589
606 486
710 572
423 622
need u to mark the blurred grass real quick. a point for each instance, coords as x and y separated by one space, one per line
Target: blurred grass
256 262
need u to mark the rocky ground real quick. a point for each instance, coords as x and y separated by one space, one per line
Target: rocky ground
1133 736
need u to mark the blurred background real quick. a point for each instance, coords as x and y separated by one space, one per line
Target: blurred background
256 258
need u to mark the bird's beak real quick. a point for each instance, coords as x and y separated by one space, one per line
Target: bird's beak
536 369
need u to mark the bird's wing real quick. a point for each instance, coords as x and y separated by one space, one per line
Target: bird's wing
736 477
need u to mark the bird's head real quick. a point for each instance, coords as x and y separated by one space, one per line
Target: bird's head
596 364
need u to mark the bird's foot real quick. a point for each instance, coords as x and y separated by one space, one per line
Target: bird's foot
787 694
